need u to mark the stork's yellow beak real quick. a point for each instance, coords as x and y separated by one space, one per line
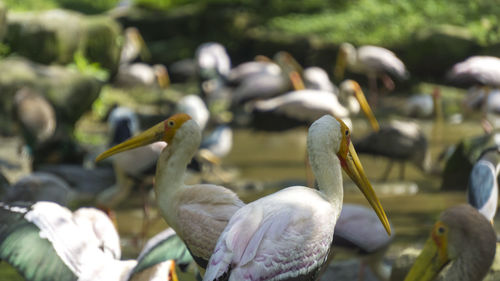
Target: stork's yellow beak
431 260
352 166
172 274
340 66
363 103
164 131
297 82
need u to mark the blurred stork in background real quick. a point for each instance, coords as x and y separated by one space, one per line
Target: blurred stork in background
482 191
46 139
425 105
358 230
302 107
36 117
213 66
398 141
265 78
139 74
45 241
133 168
375 62
476 70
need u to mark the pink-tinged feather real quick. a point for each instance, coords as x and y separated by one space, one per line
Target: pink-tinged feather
279 242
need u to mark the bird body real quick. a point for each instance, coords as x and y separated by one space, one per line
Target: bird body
198 213
400 141
316 78
358 230
287 235
477 70
269 239
369 60
195 107
302 107
35 115
462 238
482 192
212 61
132 165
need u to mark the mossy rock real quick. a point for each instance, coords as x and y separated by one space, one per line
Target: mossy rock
70 92
102 44
54 36
432 51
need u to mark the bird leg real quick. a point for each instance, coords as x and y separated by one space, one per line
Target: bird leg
145 212
401 170
372 80
361 272
387 171
388 83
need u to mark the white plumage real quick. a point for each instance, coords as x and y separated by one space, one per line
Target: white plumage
288 234
484 70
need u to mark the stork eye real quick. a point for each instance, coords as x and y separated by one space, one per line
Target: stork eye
441 230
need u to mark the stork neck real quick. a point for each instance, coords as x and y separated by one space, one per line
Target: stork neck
171 169
326 169
469 266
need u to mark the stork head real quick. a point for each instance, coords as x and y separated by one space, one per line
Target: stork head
460 233
332 131
163 131
346 52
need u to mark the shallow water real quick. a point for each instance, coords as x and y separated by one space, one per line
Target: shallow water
276 159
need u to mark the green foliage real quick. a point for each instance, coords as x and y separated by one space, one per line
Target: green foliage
28 5
84 6
4 50
88 6
387 22
81 64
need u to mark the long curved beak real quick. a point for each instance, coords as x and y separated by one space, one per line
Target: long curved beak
297 82
355 171
149 136
340 66
428 264
363 103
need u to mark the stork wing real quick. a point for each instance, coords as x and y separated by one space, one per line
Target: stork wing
164 246
22 246
481 182
382 60
202 217
273 239
304 105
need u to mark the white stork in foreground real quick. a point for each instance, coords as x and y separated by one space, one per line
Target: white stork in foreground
45 241
287 235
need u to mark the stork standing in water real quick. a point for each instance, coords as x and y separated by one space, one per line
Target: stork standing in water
375 62
287 235
463 241
397 141
198 213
